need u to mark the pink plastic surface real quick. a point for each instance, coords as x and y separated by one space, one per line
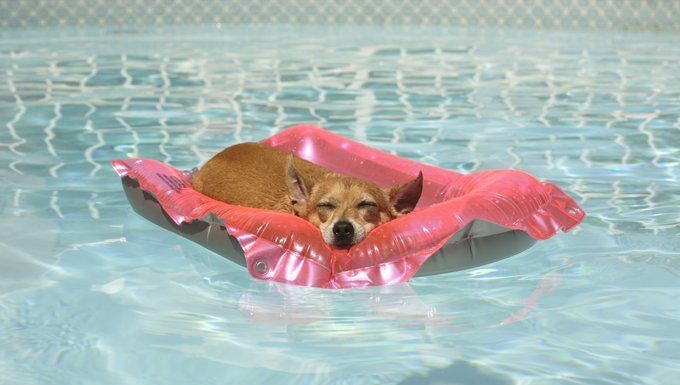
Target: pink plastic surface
284 248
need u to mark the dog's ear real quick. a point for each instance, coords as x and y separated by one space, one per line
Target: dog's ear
299 193
404 197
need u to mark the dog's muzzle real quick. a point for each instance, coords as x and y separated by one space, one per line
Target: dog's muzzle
343 234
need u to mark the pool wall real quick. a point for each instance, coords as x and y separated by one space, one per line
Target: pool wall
637 15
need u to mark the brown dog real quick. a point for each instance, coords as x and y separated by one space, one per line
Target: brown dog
345 209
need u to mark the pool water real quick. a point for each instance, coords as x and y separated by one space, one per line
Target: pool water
92 293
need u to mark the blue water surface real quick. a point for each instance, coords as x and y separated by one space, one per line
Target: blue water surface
91 293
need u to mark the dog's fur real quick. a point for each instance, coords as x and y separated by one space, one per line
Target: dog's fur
345 209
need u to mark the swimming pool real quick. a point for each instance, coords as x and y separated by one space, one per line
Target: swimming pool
92 293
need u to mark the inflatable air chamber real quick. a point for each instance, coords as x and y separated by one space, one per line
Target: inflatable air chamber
461 221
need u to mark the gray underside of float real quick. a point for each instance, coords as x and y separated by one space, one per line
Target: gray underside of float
479 243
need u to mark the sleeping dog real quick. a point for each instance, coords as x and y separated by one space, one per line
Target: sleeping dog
345 209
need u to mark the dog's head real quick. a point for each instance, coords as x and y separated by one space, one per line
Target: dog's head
345 209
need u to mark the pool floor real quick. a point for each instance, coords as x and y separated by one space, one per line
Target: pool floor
92 293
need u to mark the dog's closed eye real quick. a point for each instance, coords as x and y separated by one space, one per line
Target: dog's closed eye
325 205
367 205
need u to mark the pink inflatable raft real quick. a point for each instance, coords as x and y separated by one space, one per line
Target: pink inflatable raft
461 221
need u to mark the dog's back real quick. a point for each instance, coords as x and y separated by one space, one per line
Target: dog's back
252 175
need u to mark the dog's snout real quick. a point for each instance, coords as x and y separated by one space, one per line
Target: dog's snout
343 230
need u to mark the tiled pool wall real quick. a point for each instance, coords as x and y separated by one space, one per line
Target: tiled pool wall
636 15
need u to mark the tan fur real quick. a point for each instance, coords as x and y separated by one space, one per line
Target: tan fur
346 195
254 175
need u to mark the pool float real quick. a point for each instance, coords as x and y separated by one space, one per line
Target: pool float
461 221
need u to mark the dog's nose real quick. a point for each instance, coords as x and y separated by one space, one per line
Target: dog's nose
343 230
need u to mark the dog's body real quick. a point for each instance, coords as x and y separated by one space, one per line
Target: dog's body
253 175
345 209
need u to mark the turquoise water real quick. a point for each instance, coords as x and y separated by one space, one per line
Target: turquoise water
92 293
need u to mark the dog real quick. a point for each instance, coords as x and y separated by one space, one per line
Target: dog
344 209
